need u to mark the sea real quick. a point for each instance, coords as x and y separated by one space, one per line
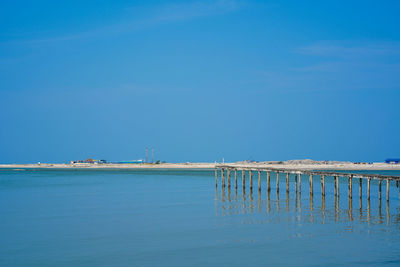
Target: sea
181 218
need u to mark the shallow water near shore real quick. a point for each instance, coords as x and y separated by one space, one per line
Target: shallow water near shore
169 218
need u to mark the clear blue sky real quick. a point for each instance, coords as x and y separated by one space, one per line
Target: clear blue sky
199 80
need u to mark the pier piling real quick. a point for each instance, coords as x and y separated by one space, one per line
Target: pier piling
216 177
335 182
277 182
226 171
337 186
235 178
300 183
251 179
287 182
228 174
222 178
244 178
368 188
387 190
350 178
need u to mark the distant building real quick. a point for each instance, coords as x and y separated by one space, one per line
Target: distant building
90 160
392 161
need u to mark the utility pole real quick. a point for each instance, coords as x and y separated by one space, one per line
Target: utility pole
147 151
152 155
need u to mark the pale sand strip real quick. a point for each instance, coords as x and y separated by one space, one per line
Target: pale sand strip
111 166
336 166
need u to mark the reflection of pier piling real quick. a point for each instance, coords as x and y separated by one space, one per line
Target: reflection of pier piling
227 169
229 203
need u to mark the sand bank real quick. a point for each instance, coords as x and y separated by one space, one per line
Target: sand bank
200 166
111 166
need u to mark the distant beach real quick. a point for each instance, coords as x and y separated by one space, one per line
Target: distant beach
291 164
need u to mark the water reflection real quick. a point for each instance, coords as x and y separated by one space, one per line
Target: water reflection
316 209
350 209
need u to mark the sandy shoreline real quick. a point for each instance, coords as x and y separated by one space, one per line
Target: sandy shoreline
336 166
110 166
206 166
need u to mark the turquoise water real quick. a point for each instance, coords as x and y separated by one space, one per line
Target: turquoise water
170 218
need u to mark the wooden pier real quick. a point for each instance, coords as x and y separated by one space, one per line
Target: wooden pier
324 175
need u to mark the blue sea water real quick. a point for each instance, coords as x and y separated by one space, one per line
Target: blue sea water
179 218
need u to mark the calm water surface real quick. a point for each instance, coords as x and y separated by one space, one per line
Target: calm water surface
169 218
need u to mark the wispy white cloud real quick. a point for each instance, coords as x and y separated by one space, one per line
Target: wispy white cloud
156 16
352 49
341 66
191 10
